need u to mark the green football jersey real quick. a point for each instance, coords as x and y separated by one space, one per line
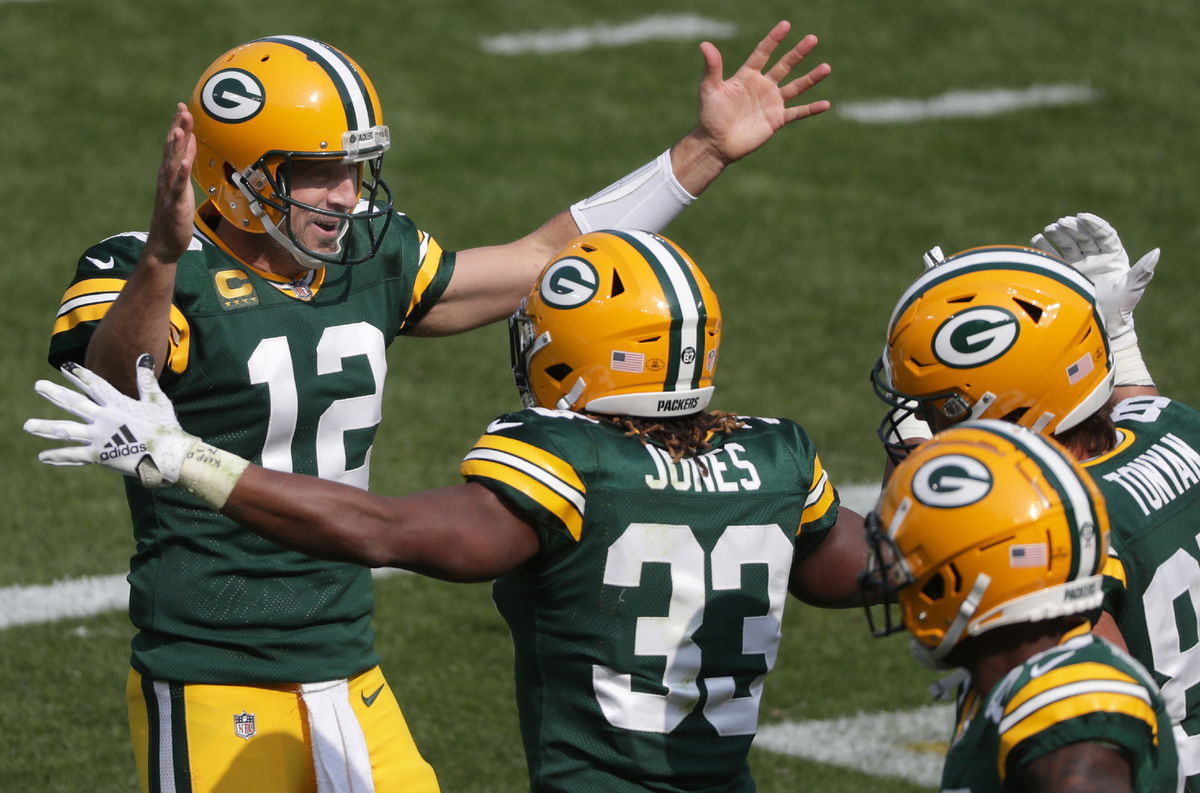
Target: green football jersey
1152 585
645 626
1082 690
286 374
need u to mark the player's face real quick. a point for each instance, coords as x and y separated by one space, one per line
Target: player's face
325 185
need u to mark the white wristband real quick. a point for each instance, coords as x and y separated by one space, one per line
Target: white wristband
210 474
647 199
1128 366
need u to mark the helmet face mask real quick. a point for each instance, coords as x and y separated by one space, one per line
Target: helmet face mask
988 524
266 105
1002 332
619 322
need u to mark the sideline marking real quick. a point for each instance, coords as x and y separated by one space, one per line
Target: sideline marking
653 28
72 598
909 744
965 104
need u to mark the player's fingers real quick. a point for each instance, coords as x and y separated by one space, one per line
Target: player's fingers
762 52
783 67
58 430
67 399
71 455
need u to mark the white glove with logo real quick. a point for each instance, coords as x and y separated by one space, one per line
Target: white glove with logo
1091 245
137 437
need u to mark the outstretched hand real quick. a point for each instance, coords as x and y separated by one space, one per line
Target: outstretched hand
174 202
136 437
740 114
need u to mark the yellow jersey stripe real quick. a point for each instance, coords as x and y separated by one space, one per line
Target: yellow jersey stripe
1055 677
524 480
1087 696
552 464
89 301
431 259
820 496
1114 568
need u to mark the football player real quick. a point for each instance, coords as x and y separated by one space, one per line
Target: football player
991 540
644 546
268 310
1044 337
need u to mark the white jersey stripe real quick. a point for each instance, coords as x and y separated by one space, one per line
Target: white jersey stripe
566 491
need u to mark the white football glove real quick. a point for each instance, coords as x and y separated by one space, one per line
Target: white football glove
137 437
1091 245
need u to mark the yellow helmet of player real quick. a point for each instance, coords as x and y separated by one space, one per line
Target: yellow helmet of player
269 102
1002 332
987 524
619 322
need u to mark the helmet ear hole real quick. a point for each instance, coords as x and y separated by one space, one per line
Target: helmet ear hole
559 371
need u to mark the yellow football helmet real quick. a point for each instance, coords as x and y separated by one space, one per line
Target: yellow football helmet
987 524
271 101
619 322
1002 332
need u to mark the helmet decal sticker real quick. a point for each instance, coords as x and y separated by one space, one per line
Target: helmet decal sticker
569 283
953 480
975 337
232 96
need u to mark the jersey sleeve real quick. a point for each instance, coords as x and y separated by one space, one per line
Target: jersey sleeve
1088 701
434 268
518 462
100 275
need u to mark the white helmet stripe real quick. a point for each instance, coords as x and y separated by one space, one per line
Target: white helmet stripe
691 331
359 112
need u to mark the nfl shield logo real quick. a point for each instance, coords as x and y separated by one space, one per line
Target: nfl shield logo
243 725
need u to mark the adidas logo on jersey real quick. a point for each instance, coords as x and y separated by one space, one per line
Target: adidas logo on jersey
122 444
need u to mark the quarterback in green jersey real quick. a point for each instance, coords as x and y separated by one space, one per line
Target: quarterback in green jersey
1044 337
644 547
991 540
268 309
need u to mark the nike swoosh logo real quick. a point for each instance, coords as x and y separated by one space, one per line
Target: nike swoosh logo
102 263
1037 670
370 700
498 425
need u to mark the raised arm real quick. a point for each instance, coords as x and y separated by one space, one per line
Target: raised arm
828 576
139 319
736 116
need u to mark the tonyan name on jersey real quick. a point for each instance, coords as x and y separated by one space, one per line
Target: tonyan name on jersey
1083 690
1151 485
654 606
286 374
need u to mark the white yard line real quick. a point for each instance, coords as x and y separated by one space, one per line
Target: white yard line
653 28
965 104
908 744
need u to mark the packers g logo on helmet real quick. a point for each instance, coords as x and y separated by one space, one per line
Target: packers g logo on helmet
974 337
986 524
620 322
953 480
232 95
569 282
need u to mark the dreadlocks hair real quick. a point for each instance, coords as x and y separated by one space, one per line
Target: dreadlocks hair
686 436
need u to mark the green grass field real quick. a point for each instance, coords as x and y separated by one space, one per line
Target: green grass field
808 243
